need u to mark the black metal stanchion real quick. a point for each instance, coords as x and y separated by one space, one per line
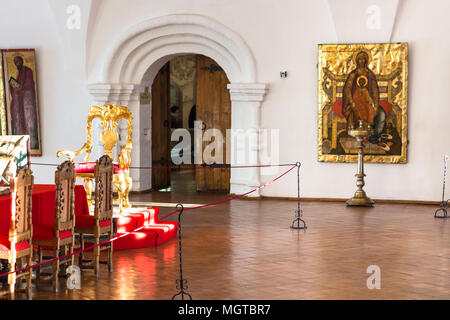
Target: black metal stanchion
181 284
444 203
296 224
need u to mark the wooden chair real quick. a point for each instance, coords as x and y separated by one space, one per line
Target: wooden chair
17 247
109 116
101 222
59 237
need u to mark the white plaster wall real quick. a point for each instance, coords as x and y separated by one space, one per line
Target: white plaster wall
63 99
146 123
283 36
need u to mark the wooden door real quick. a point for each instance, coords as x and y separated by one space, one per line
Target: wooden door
214 110
161 129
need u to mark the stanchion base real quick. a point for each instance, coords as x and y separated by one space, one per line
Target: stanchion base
296 224
182 294
298 220
443 215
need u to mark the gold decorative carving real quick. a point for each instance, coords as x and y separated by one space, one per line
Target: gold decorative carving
109 116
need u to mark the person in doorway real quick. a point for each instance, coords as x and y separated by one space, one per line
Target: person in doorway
175 117
192 116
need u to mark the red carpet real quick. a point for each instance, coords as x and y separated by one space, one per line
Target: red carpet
154 232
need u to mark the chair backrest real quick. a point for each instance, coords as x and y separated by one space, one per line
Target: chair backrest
104 170
65 197
109 116
21 228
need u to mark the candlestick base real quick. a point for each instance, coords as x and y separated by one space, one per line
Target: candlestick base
360 199
361 133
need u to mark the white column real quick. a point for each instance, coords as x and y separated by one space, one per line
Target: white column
246 99
125 95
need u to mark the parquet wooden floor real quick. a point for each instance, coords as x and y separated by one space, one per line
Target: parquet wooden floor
245 250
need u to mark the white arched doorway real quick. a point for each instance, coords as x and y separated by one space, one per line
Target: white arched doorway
146 47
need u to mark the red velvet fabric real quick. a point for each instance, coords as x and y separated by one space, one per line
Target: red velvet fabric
129 222
47 233
89 167
88 222
149 236
148 214
43 206
164 234
135 240
152 234
5 245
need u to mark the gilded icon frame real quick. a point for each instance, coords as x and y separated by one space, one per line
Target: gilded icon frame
3 125
389 63
25 102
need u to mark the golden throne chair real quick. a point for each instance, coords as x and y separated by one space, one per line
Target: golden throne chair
109 116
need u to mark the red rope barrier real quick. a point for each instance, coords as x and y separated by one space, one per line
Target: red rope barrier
233 198
127 233
200 166
215 166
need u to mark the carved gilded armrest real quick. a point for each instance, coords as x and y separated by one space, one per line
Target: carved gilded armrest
124 157
72 154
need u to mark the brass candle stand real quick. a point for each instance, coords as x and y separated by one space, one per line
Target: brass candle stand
360 134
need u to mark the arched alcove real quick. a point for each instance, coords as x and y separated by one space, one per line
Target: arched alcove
146 47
